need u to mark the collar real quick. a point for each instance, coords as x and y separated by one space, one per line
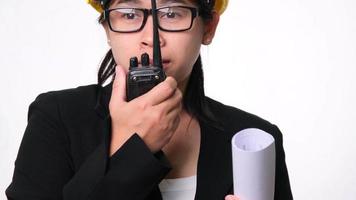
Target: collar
102 100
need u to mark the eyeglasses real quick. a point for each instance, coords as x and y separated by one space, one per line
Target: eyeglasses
170 19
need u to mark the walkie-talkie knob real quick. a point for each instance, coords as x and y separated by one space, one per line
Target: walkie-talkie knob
145 59
133 62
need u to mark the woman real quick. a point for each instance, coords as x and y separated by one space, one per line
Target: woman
90 143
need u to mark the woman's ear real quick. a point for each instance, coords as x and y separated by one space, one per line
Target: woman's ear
107 31
210 28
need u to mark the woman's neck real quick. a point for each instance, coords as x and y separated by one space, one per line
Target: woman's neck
183 85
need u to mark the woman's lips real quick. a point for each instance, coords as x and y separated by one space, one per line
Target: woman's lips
165 64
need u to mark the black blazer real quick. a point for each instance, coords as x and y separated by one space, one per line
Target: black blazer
64 153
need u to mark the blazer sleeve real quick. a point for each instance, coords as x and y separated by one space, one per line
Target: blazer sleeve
44 167
282 185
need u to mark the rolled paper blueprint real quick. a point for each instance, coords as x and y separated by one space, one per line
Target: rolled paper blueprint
254 161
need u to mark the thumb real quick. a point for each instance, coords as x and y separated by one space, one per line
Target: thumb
118 93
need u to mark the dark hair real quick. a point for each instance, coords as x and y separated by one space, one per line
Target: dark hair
194 100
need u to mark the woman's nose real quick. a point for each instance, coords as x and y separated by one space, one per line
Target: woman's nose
147 34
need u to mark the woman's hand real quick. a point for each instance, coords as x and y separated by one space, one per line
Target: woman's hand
154 116
232 197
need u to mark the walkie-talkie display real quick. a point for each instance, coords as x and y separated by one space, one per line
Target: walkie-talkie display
142 79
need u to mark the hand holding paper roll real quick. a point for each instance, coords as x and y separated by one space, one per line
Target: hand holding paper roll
254 158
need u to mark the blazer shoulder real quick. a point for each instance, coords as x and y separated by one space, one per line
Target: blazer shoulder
71 94
82 95
234 119
66 102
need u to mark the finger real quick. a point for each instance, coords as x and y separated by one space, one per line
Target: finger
118 93
176 123
160 92
175 102
175 112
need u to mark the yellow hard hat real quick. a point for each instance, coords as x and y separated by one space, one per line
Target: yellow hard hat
220 5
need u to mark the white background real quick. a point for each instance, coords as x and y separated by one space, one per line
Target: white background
292 62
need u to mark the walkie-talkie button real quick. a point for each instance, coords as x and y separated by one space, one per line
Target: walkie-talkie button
133 62
145 59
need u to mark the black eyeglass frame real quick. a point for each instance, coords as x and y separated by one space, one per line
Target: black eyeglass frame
146 12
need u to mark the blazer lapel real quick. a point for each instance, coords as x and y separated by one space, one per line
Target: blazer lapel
214 176
102 101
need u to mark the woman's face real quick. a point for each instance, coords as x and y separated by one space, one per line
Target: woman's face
179 50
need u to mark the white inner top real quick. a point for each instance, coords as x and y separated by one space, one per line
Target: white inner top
178 188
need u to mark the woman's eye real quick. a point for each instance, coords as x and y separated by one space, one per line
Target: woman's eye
171 15
129 15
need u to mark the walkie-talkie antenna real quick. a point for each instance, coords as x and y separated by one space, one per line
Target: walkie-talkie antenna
157 58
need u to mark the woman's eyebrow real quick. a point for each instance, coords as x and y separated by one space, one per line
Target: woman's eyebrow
158 1
129 1
172 1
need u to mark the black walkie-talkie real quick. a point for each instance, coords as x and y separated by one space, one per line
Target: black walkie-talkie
142 79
